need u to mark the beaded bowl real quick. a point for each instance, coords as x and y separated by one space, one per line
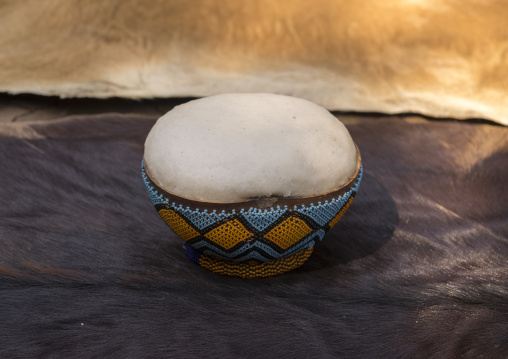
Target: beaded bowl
257 237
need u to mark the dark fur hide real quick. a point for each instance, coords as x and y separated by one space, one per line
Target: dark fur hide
415 269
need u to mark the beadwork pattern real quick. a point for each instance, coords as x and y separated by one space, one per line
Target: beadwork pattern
249 269
253 237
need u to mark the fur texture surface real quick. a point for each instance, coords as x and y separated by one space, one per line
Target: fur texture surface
446 58
415 269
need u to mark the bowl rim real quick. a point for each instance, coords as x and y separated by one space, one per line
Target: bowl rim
262 202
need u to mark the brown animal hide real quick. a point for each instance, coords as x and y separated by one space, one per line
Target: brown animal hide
415 269
445 58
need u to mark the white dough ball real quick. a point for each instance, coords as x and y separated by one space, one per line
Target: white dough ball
236 146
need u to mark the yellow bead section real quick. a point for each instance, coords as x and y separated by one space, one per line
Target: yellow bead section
178 224
339 215
229 234
290 231
253 269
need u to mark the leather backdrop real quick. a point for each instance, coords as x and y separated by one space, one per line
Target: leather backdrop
443 58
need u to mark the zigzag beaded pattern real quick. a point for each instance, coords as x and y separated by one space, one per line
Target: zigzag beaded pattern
253 235
249 269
